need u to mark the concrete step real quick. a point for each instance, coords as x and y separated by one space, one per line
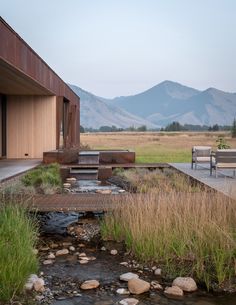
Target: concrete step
88 157
84 173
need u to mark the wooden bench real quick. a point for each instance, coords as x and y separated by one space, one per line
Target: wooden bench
223 159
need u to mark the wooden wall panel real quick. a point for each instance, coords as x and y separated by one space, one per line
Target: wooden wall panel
31 126
0 127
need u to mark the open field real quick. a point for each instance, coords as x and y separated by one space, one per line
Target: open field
156 146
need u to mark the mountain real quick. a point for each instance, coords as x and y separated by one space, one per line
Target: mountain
94 113
170 101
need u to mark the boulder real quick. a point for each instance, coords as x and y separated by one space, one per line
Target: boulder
138 286
174 291
185 283
128 276
62 252
91 284
129 301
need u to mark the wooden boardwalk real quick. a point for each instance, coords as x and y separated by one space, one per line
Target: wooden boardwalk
74 202
224 183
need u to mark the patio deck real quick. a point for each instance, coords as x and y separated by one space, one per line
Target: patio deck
224 183
12 168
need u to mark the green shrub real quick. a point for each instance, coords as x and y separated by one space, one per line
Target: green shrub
18 235
43 175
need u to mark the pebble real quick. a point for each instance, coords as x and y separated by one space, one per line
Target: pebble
82 255
91 284
157 271
114 252
48 262
129 301
122 291
128 276
138 286
62 252
44 248
156 285
124 263
51 256
103 249
54 245
66 185
30 282
104 192
83 261
174 290
71 248
35 251
66 244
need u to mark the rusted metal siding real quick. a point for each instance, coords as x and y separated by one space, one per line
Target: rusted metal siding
18 53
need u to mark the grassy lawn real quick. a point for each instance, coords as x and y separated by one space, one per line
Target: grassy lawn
155 146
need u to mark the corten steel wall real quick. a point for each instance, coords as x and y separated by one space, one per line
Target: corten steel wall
17 53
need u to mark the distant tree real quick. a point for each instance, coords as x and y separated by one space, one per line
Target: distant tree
233 129
105 129
175 126
82 129
215 127
142 128
131 128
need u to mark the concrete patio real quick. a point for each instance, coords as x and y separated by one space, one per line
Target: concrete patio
224 183
12 168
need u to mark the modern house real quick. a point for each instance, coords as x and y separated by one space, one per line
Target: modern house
38 111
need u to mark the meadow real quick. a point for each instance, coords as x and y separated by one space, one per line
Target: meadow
156 146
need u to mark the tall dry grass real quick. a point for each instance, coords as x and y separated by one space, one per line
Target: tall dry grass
186 233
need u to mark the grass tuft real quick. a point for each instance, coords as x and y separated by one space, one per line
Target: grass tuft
17 261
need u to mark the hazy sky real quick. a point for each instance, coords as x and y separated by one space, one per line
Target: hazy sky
122 47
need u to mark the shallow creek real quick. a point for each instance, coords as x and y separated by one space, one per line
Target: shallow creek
64 277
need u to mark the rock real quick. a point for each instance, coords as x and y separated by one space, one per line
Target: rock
124 263
185 283
129 301
39 285
82 255
44 248
51 256
122 191
81 245
138 286
48 262
35 251
39 298
128 276
122 291
83 261
174 290
71 248
103 249
114 252
53 246
66 185
91 284
104 192
62 252
156 285
30 282
157 271
91 258
66 244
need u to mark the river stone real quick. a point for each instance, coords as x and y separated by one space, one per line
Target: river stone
51 256
156 285
157 271
114 252
39 285
48 262
128 276
62 252
129 301
138 286
83 261
174 290
185 283
30 282
122 291
104 192
71 248
91 284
